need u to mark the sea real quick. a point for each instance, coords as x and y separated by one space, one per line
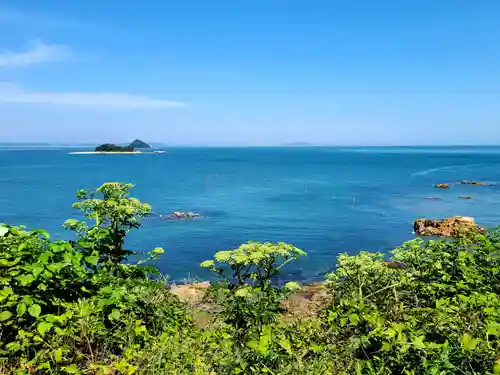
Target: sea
324 200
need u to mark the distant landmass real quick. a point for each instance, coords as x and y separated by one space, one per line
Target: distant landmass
109 147
298 144
139 144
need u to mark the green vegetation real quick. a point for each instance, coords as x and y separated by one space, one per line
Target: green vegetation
80 307
109 147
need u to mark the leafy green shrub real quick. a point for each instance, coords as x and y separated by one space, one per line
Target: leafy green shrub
37 279
249 297
437 311
78 307
113 215
69 306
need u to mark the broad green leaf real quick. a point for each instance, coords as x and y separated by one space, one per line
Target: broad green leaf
115 314
4 315
44 366
43 258
43 233
468 342
6 263
15 231
6 292
3 230
265 339
13 347
58 355
253 344
354 319
418 343
107 290
493 329
285 344
35 310
43 327
71 369
25 279
140 329
37 270
93 260
315 348
496 369
386 346
21 309
292 286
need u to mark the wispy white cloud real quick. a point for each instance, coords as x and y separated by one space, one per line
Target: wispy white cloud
39 53
10 94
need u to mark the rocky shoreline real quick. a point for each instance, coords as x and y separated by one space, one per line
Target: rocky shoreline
305 302
311 298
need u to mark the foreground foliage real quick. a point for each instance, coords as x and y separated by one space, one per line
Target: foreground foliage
76 307
438 312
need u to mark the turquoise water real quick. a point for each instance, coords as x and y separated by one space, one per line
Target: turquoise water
324 200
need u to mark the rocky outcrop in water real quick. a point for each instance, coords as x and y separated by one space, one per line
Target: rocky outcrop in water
475 183
449 227
443 186
179 215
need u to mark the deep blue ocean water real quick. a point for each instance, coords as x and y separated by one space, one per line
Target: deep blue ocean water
324 200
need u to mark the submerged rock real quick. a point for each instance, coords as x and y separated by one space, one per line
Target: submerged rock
475 183
179 215
449 227
443 186
464 197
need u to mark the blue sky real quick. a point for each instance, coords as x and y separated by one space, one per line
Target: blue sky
260 72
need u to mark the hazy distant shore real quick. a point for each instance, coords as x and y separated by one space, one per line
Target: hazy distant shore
114 152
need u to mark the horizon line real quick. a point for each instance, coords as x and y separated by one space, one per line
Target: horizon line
284 145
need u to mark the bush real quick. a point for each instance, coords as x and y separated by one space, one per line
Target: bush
247 294
72 307
67 306
112 214
433 309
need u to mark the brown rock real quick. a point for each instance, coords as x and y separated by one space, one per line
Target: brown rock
394 264
443 186
178 215
449 227
191 293
307 301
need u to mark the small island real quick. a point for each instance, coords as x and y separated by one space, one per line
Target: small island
110 148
